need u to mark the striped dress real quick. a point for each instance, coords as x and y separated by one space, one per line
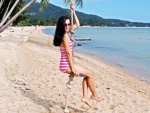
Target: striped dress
64 62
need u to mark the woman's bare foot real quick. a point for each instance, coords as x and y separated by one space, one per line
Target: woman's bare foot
96 98
85 100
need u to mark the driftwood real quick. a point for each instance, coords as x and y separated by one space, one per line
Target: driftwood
82 39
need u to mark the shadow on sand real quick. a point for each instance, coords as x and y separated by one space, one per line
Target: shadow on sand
47 104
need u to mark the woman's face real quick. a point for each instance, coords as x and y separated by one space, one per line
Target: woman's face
67 25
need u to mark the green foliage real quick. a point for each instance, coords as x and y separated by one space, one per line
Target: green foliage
43 4
22 18
77 2
23 23
37 21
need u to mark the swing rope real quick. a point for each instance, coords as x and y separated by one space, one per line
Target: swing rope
71 76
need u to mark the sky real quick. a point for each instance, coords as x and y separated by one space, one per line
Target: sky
130 10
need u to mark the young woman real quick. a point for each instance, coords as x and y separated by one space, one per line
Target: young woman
62 40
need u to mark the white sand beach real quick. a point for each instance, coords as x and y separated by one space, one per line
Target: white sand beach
31 82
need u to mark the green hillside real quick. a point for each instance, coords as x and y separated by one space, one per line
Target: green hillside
54 12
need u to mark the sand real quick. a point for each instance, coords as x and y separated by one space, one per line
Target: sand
31 82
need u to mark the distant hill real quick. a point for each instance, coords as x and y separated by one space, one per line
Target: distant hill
54 12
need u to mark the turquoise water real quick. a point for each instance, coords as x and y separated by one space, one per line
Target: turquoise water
125 48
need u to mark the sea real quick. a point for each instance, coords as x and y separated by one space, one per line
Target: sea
127 48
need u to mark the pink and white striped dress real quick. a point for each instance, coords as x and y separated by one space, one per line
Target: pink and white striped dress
64 62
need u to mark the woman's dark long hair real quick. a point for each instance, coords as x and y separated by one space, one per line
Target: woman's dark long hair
60 30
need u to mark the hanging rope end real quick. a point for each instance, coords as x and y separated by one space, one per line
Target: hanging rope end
71 76
66 110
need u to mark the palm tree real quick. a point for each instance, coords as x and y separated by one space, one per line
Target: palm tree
1 3
15 16
43 4
6 10
9 9
9 13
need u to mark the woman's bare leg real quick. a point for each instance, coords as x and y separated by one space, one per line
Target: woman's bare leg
88 82
85 96
84 87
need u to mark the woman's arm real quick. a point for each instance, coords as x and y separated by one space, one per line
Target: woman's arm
76 20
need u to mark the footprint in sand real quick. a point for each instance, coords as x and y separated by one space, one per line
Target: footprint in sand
3 110
23 108
95 108
73 103
112 107
83 107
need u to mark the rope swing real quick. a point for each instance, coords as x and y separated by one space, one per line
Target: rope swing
71 76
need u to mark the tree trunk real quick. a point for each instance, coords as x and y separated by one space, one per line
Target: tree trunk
6 10
9 13
1 3
14 17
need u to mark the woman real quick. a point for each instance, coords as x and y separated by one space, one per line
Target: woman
62 40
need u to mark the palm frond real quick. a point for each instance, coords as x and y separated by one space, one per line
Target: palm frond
43 4
77 2
66 2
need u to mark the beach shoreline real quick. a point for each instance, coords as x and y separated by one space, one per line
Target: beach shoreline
32 82
119 67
